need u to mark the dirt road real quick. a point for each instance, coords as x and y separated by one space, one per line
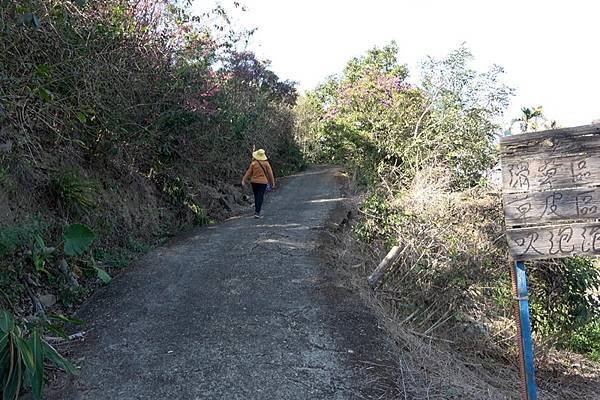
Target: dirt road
241 310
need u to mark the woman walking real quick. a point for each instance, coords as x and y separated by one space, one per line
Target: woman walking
260 175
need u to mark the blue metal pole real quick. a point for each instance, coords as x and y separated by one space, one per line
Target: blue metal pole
527 341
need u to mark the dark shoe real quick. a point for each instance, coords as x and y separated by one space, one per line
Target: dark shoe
257 216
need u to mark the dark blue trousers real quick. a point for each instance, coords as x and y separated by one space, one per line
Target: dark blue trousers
259 190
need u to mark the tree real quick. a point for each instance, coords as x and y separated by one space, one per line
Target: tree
533 119
372 118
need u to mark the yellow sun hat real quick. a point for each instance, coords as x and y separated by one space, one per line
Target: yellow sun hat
259 155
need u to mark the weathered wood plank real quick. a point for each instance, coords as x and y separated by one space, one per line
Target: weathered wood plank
551 206
572 131
377 276
555 241
550 173
556 141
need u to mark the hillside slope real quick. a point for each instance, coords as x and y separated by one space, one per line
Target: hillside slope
133 118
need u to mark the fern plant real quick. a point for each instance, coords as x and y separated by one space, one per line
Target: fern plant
22 356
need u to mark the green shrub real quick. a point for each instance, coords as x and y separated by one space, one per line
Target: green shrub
23 352
200 216
69 295
585 340
24 250
75 193
381 222
369 114
564 296
18 237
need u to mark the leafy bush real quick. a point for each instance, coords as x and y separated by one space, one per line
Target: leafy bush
23 352
381 219
370 115
453 266
18 237
449 252
585 340
564 296
26 252
74 192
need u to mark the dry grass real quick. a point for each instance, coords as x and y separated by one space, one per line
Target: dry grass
443 304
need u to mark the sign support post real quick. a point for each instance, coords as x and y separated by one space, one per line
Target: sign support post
526 344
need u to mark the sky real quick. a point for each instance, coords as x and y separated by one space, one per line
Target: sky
549 49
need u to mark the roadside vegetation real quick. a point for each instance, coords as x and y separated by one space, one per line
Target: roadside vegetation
121 123
420 156
125 122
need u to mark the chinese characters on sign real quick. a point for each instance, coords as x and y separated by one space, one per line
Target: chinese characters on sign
544 174
555 241
551 191
552 205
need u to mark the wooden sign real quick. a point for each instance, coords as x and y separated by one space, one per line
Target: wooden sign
551 192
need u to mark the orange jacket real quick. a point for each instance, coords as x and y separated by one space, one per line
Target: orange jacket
255 173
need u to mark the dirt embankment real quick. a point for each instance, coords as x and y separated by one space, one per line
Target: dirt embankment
128 212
